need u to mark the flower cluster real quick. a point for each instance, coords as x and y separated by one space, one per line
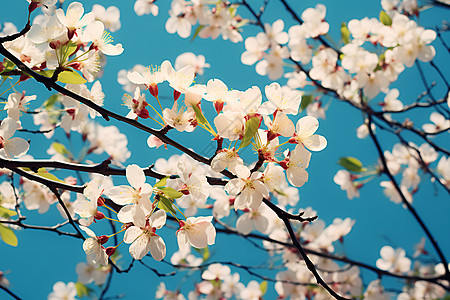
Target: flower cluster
68 41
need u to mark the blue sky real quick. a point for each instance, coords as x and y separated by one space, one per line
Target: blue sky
44 258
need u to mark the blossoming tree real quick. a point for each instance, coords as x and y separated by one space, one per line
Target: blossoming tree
168 214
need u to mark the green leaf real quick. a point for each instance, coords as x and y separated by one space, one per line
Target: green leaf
200 117
232 10
280 192
170 192
61 149
71 77
206 253
8 236
7 213
263 287
162 182
351 164
116 256
385 19
83 290
68 76
197 31
306 100
345 33
43 173
251 127
166 205
9 65
47 73
50 102
68 50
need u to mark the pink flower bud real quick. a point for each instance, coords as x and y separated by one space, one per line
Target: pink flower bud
153 89
110 251
33 6
100 201
103 239
176 95
218 106
99 215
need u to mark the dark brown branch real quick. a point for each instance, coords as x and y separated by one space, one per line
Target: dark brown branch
435 280
406 203
300 21
66 211
248 269
45 228
106 114
309 264
9 292
156 271
102 168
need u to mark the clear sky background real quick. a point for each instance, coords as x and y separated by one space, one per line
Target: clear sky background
43 258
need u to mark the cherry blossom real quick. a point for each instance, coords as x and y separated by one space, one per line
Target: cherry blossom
138 195
36 196
11 146
440 123
17 103
275 33
346 181
226 158
62 291
314 23
101 39
393 260
250 190
197 232
254 219
145 7
196 61
305 129
255 48
74 19
110 16
88 272
282 99
144 239
93 248
86 207
295 166
137 105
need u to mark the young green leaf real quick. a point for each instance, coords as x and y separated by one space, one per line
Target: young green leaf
200 117
71 77
68 50
385 19
51 101
345 33
82 290
251 127
7 213
351 164
43 173
166 205
8 235
206 254
170 192
9 66
61 149
306 100
263 287
197 31
162 182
